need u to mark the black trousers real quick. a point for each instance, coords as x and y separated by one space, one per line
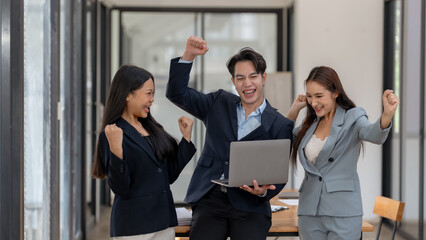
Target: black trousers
213 218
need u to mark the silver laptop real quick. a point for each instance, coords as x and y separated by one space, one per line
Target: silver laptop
265 161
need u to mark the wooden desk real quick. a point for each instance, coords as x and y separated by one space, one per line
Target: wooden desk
284 223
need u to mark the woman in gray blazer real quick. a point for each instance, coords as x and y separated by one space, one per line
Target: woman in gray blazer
328 144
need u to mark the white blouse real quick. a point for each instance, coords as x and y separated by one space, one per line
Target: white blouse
313 148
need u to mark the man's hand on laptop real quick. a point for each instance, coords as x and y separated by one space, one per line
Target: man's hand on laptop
256 189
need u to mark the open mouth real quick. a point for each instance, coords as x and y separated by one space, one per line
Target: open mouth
249 93
317 109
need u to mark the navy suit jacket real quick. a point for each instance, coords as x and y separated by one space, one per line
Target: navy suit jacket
218 111
143 201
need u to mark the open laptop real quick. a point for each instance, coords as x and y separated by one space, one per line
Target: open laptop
265 161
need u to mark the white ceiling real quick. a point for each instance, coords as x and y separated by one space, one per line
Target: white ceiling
200 3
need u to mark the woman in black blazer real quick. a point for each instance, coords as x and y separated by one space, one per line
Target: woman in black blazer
139 158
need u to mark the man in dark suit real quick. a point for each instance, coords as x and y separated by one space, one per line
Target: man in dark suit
218 212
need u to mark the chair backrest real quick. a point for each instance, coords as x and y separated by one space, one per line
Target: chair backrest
389 208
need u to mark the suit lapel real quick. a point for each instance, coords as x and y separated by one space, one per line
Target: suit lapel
336 126
307 165
136 137
232 112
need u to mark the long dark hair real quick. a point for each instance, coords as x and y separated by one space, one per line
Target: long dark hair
128 79
328 78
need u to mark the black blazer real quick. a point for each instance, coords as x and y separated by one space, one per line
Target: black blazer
218 111
143 201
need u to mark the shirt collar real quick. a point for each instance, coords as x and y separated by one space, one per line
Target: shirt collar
259 110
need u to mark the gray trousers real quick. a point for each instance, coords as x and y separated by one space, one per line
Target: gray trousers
329 228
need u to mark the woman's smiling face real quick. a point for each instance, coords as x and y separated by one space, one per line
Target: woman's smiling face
138 102
322 100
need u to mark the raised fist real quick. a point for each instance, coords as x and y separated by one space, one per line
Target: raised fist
114 135
195 46
185 126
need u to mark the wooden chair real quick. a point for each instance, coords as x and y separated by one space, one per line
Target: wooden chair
390 209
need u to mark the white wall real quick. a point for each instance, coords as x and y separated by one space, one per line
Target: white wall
347 36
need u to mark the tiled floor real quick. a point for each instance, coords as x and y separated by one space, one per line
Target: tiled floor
101 231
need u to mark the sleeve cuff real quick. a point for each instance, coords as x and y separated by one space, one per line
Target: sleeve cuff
189 146
386 129
184 61
263 195
117 163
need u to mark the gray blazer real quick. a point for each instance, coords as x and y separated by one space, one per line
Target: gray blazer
331 185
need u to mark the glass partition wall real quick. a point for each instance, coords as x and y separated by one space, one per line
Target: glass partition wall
52 119
52 170
37 122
